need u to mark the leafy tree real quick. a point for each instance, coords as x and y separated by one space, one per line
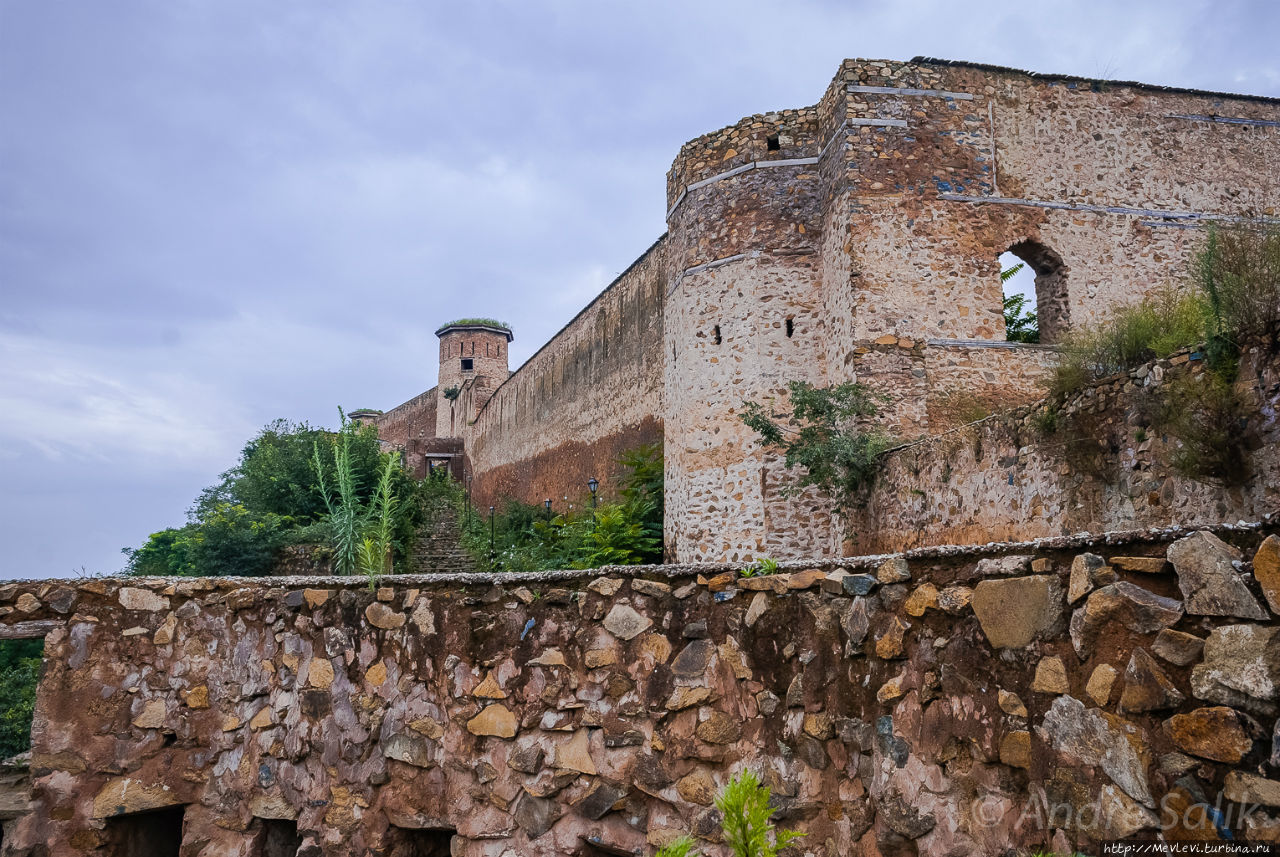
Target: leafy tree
164 553
822 434
19 674
272 498
1020 325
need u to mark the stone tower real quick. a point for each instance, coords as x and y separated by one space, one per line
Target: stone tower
473 362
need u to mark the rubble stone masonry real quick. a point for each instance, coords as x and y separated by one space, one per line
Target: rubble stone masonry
944 701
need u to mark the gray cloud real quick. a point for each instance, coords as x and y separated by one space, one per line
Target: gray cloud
216 213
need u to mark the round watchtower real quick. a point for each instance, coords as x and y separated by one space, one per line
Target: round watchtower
473 362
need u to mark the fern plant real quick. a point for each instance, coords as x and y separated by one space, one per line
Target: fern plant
744 803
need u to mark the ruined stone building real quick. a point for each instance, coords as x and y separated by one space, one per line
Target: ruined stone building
1014 648
854 239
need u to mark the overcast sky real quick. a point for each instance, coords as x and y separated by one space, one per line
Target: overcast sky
215 213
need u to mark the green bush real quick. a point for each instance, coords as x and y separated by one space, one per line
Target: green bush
642 491
1234 298
19 675
1135 334
744 805
765 565
681 846
823 435
272 499
529 538
1239 273
361 532
1207 415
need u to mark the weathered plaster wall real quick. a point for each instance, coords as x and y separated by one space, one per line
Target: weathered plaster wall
1102 465
589 394
949 701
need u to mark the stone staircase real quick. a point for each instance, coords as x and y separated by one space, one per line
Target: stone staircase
438 549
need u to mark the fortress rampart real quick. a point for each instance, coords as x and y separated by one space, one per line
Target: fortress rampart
591 393
858 239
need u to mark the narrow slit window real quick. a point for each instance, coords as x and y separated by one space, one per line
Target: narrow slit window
791 327
715 334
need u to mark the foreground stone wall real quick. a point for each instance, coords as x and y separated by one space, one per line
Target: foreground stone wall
943 702
1096 462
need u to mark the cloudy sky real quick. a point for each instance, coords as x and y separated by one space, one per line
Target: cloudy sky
214 213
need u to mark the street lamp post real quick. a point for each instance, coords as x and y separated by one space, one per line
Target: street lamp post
492 553
547 505
592 485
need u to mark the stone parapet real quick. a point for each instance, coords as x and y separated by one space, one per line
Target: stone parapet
925 701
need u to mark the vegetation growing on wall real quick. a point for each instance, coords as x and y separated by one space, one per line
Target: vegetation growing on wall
1232 300
826 435
487 322
1135 334
1233 297
1239 273
531 538
272 499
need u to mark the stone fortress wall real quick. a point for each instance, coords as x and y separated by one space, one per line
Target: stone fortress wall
1098 463
591 393
947 701
858 239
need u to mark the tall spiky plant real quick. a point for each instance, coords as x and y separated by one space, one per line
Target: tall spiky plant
346 515
744 803
375 557
361 533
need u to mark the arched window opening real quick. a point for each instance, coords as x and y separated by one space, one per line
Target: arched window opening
1036 308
